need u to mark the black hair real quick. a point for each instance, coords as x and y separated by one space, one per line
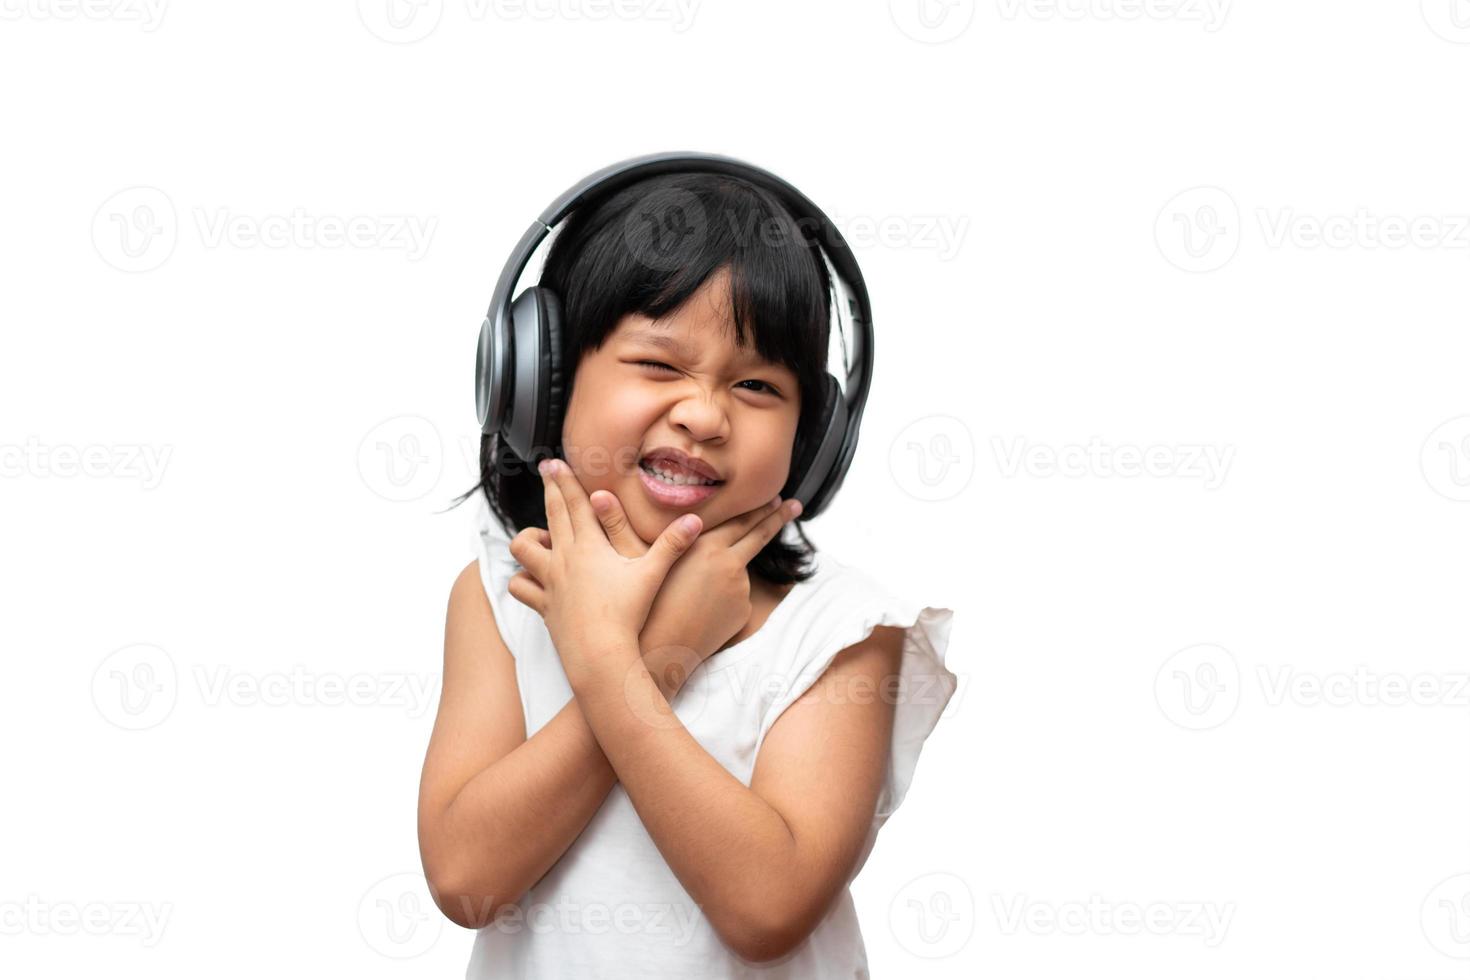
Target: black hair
646 248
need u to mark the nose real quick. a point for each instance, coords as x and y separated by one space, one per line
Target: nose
701 416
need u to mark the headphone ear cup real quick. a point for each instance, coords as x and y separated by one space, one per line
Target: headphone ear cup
827 432
535 410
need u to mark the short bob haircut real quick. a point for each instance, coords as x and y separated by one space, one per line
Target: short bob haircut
646 248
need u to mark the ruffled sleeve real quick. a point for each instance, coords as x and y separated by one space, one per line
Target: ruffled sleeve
843 609
492 546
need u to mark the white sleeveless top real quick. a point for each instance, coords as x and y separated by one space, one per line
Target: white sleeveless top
611 907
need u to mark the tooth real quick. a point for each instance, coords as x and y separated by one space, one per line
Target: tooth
679 479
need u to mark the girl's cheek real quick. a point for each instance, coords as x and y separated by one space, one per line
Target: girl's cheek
603 432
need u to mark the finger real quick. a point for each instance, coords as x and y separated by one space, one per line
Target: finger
540 535
527 591
532 549
677 538
739 526
580 510
609 510
558 522
759 536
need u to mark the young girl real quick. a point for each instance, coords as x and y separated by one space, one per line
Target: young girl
665 751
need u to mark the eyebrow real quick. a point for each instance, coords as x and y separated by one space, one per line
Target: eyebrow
662 340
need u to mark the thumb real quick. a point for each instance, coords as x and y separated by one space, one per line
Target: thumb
609 511
675 540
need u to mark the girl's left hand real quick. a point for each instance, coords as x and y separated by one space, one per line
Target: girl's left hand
594 596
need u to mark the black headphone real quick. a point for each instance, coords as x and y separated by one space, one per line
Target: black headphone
521 384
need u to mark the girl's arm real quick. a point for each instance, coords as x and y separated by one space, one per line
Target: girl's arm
496 810
765 862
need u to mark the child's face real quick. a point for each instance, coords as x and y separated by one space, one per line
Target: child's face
711 406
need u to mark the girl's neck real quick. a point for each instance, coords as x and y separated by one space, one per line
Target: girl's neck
764 597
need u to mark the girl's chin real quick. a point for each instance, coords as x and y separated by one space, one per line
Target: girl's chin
649 520
656 523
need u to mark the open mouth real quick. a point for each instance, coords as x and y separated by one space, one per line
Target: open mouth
672 475
667 487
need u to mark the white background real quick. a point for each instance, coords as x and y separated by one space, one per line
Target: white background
1229 231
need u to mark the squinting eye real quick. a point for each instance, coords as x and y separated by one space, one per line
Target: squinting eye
659 365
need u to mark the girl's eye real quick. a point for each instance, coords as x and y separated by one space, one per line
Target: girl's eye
755 381
660 366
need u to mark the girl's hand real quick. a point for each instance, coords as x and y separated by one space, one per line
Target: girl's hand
704 600
593 596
